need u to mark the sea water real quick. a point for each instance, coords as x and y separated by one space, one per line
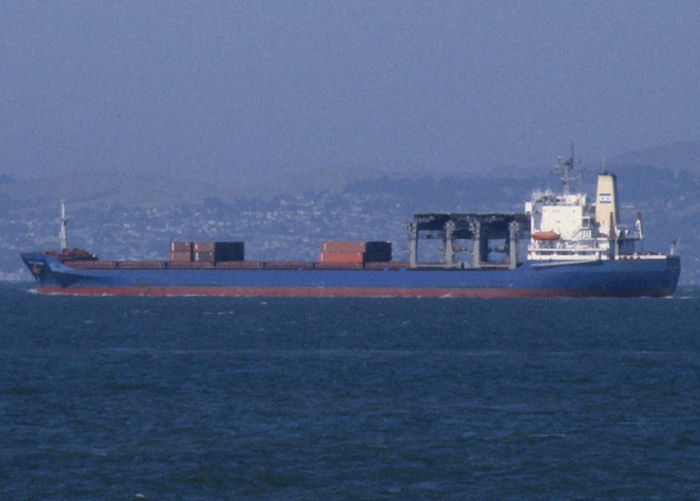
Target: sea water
263 398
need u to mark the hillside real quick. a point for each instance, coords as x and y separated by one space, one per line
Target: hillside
677 157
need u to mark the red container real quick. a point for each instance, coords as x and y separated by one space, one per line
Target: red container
341 257
203 246
371 251
181 247
180 256
222 251
203 256
344 246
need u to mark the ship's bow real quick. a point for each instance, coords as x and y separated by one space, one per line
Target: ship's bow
38 265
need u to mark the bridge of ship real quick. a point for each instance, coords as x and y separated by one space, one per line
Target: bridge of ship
478 230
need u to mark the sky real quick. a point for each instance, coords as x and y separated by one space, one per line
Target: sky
279 95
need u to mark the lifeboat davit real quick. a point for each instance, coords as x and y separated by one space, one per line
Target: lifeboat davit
545 235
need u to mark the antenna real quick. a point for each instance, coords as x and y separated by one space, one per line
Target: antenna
62 235
564 166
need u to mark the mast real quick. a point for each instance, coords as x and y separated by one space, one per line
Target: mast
564 166
62 235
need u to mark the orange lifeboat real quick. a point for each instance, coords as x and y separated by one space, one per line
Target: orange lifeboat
545 235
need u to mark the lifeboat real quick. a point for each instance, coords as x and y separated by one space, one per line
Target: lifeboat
545 235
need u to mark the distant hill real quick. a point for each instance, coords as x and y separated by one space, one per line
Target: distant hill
85 188
674 156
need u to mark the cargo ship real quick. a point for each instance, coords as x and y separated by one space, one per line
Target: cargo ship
562 244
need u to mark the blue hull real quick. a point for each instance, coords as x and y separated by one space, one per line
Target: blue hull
646 276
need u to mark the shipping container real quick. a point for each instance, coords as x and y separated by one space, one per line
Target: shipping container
229 251
344 246
378 251
371 251
222 251
180 256
203 246
181 247
203 256
341 257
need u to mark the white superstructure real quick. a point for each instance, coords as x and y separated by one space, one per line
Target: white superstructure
568 226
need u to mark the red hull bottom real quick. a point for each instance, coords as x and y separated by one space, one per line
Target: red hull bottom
203 290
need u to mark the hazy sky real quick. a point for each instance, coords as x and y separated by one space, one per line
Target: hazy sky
283 92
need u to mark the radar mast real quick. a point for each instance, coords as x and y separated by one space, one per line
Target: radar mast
564 167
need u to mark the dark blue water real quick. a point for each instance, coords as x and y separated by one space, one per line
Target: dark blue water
229 398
